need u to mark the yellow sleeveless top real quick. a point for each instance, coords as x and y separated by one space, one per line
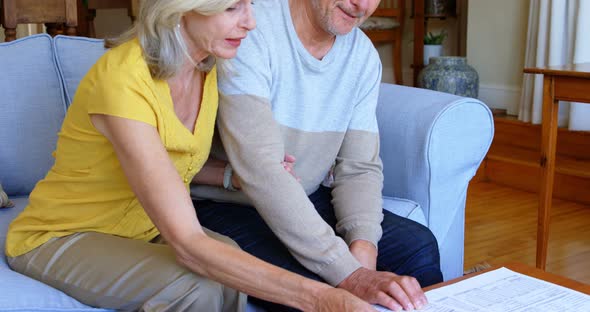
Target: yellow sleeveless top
86 189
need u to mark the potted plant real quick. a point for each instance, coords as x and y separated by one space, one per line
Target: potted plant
433 45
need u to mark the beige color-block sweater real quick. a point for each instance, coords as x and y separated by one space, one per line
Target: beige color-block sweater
276 98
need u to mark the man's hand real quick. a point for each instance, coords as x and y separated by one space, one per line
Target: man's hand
385 288
365 252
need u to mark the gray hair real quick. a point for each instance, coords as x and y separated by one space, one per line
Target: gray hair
156 28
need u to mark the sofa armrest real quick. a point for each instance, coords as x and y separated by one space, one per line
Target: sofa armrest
431 145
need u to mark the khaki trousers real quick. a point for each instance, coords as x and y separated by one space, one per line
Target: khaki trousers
111 272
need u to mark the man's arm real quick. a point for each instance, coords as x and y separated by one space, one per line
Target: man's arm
254 145
253 142
358 172
356 195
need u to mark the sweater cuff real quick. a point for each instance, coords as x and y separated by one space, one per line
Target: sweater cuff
364 232
337 271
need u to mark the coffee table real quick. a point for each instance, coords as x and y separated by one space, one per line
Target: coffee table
526 270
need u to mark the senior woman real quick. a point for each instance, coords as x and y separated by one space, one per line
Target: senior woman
137 132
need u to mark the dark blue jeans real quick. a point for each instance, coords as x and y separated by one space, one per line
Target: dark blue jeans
406 248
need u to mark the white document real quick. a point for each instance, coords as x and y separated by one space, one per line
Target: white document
503 290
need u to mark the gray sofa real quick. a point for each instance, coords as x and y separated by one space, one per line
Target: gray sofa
431 145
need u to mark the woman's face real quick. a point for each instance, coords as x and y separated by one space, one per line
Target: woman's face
220 34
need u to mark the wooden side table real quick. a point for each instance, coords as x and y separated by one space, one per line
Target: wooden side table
560 83
420 19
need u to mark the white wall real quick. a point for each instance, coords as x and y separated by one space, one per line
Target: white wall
496 41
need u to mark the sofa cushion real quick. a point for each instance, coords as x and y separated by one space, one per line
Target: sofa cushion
32 109
75 56
405 208
21 293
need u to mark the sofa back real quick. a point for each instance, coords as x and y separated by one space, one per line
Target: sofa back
38 78
74 57
31 111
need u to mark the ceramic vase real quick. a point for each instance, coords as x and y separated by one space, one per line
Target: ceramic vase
450 74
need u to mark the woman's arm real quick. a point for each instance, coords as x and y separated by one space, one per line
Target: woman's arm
212 174
168 204
213 170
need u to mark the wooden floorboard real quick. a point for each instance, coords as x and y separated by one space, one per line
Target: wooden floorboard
501 227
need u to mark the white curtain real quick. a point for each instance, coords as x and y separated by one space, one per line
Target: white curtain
558 34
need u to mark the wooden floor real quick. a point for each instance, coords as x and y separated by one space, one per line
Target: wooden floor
501 227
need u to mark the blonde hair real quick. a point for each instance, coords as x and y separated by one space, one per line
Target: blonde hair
156 28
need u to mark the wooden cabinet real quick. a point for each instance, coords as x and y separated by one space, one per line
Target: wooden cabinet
458 13
53 13
393 11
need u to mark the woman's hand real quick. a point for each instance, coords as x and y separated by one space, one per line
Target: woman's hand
289 164
213 170
339 300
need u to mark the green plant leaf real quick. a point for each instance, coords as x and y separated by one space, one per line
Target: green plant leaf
432 39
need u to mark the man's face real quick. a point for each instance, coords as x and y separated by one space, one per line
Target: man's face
339 17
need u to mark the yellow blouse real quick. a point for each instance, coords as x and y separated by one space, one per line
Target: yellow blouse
86 190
